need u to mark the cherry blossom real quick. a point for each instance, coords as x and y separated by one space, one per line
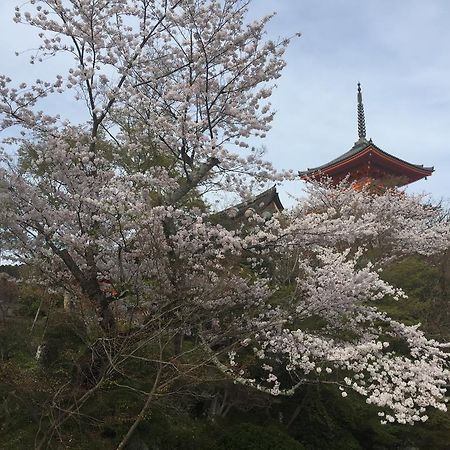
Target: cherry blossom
111 211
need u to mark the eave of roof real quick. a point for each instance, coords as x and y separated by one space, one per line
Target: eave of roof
265 198
359 150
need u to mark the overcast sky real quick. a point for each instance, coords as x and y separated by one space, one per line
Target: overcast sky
399 51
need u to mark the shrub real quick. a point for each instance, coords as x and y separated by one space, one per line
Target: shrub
247 436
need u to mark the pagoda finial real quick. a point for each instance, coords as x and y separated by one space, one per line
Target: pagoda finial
361 118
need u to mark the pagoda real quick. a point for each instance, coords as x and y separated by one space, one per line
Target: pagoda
365 163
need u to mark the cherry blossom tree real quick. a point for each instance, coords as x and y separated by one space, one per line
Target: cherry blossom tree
165 64
332 264
185 83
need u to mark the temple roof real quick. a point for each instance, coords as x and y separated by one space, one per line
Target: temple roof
360 148
367 161
259 203
266 201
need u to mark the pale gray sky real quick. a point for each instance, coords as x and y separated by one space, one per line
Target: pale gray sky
399 50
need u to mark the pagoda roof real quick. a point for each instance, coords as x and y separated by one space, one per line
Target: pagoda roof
365 161
358 154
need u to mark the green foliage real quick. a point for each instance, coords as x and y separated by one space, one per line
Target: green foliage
417 276
11 342
22 387
63 345
327 421
176 433
248 436
317 418
324 420
426 281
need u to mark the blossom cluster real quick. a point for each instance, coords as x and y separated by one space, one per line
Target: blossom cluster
112 212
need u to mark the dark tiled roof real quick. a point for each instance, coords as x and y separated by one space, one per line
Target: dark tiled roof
259 203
